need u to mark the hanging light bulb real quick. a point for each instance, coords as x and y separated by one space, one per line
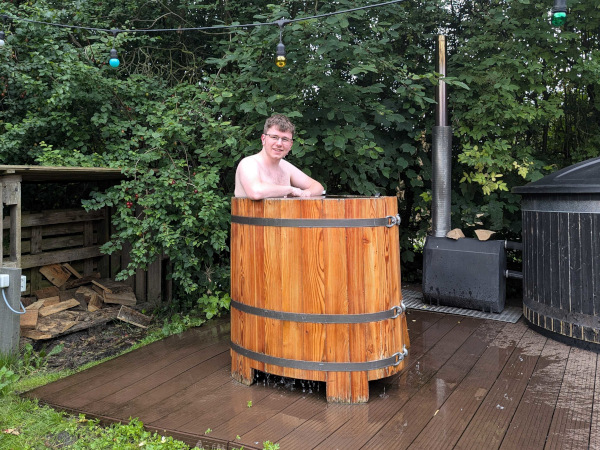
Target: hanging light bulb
280 58
559 13
114 58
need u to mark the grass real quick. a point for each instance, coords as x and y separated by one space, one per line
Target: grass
25 424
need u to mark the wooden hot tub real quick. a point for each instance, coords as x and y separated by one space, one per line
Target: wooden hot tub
315 288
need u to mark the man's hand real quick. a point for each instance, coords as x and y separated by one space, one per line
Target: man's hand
297 192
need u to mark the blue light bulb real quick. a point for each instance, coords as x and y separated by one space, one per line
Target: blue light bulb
114 59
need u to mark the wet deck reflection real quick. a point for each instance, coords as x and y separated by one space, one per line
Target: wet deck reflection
468 383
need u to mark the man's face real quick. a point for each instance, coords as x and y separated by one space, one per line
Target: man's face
277 143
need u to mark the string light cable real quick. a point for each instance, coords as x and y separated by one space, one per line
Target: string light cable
213 27
280 57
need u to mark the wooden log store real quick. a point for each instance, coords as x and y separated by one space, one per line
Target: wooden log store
31 240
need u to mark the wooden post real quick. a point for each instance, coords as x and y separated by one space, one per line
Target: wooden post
140 285
154 279
11 197
1 229
10 321
35 278
103 237
88 241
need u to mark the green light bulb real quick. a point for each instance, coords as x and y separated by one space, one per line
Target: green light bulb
559 18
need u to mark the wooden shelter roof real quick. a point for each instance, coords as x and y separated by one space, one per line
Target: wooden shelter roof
57 174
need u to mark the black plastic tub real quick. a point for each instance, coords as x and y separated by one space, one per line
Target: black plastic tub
561 254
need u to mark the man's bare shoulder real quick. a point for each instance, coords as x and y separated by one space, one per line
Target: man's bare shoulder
248 164
288 166
249 160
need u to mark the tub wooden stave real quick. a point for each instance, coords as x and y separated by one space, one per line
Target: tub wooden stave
321 270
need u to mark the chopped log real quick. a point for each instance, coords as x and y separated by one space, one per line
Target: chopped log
51 301
95 303
72 294
455 234
29 319
98 291
73 271
101 286
56 274
67 295
48 310
98 318
51 291
36 335
28 301
86 291
111 285
122 298
133 317
93 299
36 305
81 281
55 326
484 235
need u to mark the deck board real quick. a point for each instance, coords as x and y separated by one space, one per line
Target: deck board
489 424
531 422
570 428
467 383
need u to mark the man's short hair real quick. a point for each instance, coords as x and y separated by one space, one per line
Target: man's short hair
281 122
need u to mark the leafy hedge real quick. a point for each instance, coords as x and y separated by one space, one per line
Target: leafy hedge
184 108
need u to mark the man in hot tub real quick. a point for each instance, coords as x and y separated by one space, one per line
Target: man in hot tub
267 174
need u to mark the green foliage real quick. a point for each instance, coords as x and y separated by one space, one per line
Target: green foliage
30 423
184 108
268 445
14 367
89 435
32 361
7 379
178 324
531 107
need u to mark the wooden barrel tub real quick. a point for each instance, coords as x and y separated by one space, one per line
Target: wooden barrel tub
315 288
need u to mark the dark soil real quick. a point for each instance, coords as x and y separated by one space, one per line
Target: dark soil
90 345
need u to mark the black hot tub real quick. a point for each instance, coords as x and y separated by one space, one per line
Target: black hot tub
561 254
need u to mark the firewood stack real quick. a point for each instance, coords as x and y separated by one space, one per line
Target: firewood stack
76 302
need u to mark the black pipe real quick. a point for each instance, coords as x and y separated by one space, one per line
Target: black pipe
512 245
513 274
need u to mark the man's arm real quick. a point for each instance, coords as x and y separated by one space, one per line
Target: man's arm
309 186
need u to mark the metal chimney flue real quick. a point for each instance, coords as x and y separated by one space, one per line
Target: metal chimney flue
462 273
441 152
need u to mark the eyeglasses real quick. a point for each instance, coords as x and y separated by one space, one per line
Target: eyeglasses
283 139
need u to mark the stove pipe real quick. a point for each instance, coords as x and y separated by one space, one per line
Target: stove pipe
441 152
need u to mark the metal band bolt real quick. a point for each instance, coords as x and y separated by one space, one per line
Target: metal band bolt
393 220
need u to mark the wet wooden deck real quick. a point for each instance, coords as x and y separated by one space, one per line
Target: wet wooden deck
468 383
